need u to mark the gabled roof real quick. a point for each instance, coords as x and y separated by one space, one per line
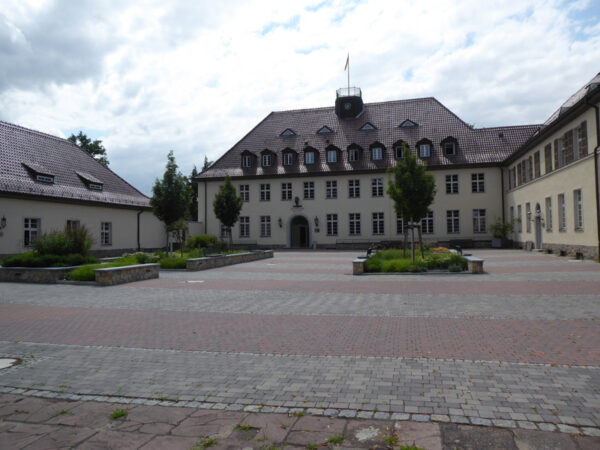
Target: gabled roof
436 122
70 165
573 99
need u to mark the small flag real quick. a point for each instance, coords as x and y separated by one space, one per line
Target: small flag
347 62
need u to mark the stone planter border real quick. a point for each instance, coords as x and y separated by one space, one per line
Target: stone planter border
211 262
474 265
34 274
126 274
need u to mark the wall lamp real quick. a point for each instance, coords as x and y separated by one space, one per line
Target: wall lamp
316 221
3 222
280 222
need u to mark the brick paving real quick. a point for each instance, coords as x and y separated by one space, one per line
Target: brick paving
512 348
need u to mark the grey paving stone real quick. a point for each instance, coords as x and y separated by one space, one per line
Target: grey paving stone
504 423
567 429
330 412
400 416
420 417
440 418
347 413
590 431
459 419
480 421
544 426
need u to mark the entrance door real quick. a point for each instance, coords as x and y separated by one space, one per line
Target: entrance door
299 232
538 227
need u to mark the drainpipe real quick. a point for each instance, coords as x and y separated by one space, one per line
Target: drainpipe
596 168
138 229
205 210
502 184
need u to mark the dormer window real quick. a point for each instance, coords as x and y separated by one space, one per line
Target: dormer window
94 187
39 173
401 150
288 132
44 179
376 153
367 127
353 154
450 148
331 156
309 157
246 160
267 160
325 130
90 181
408 124
424 149
288 159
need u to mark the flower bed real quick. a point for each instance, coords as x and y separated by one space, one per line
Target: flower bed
395 261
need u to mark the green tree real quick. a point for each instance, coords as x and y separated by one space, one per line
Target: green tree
227 206
413 191
94 148
206 164
170 196
193 194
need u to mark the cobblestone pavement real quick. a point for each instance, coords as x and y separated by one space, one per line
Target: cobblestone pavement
518 347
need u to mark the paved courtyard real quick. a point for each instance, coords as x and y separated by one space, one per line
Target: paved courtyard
517 347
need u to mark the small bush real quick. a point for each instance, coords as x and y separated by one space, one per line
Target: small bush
202 241
31 259
85 273
455 268
55 243
144 258
80 238
172 263
458 260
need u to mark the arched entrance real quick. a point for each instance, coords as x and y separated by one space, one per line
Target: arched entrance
538 227
299 232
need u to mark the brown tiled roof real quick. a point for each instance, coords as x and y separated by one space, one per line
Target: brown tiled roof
573 99
24 152
487 146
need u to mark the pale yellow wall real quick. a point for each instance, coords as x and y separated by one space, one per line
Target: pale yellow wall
577 175
465 202
54 216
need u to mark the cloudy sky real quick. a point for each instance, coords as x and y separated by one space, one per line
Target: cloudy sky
147 77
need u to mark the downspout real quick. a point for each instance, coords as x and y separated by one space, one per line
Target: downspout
205 209
596 169
502 184
138 229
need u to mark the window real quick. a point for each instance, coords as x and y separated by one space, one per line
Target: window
451 184
309 157
331 156
548 213
512 214
528 216
286 191
354 224
536 165
244 226
520 218
427 223
94 187
376 153
245 192
408 124
424 150
450 148
559 153
452 221
548 158
578 205
519 174
377 187
399 224
477 182
324 130
288 132
223 231
479 225
332 224
309 190
354 188
378 223
331 189
353 155
367 127
267 160
399 152
265 226
288 159
44 178
105 233
562 213
73 225
246 161
582 144
31 228
265 192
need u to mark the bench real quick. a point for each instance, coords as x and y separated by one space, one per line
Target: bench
474 265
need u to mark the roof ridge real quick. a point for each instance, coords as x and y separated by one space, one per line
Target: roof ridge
323 108
39 133
507 126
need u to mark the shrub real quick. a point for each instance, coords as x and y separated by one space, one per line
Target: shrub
458 260
32 259
144 258
75 240
80 238
418 266
85 273
202 241
455 268
172 263
396 265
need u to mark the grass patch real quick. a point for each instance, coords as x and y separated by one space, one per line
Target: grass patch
242 427
394 261
204 443
391 441
86 273
118 413
336 439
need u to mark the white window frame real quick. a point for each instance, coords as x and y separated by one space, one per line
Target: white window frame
578 209
399 152
309 158
332 224
399 224
452 184
288 159
246 161
331 156
549 214
354 224
453 221
331 189
377 187
354 188
267 160
32 229
478 182
265 226
353 155
424 150
427 223
450 148
378 223
105 233
244 226
377 153
245 192
265 192
479 221
309 190
286 191
562 213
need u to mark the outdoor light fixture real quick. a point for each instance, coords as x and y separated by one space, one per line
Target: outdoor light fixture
2 223
316 221
280 222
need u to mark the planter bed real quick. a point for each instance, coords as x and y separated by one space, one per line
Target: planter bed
126 274
34 274
211 262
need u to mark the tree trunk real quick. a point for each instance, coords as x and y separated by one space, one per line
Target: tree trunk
421 243
230 238
412 246
405 240
167 241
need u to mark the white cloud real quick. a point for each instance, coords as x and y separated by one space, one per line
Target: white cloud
166 75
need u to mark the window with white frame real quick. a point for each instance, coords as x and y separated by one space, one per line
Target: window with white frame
246 161
31 229
452 184
265 226
578 206
452 221
479 221
73 225
399 224
399 152
331 156
354 188
265 192
427 223
377 187
477 182
244 226
562 213
331 189
353 155
105 233
378 223
450 148
512 214
288 159
332 224
267 160
286 191
354 224
309 157
528 217
309 190
245 192
424 150
520 218
376 153
548 214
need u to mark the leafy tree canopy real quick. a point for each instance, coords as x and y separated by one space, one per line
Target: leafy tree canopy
227 206
94 148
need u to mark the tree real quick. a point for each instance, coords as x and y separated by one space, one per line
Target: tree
193 194
227 206
94 148
413 191
206 164
170 196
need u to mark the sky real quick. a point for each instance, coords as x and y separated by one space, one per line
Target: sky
147 77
